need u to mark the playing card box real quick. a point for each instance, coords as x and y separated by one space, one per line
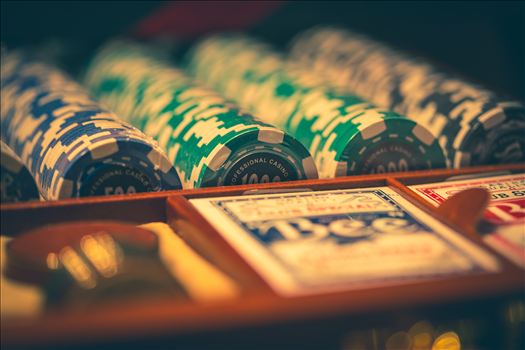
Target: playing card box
503 223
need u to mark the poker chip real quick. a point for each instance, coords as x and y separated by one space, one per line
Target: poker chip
30 255
345 134
474 126
16 183
71 144
209 139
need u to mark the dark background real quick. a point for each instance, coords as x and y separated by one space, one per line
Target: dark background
483 41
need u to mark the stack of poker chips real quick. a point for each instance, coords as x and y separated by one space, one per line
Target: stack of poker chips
474 126
16 183
71 145
345 134
209 139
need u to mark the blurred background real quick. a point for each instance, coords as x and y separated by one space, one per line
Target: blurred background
482 40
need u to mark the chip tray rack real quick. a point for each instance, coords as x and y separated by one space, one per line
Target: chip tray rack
259 312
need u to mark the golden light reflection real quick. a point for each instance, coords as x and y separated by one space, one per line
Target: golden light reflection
52 261
421 334
447 341
102 252
77 268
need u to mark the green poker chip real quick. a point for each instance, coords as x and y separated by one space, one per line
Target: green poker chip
208 138
345 134
410 147
474 125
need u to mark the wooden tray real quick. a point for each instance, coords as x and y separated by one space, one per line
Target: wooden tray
259 313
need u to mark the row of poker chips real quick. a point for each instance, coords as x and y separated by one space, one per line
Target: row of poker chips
474 125
71 145
74 147
16 182
345 134
209 139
